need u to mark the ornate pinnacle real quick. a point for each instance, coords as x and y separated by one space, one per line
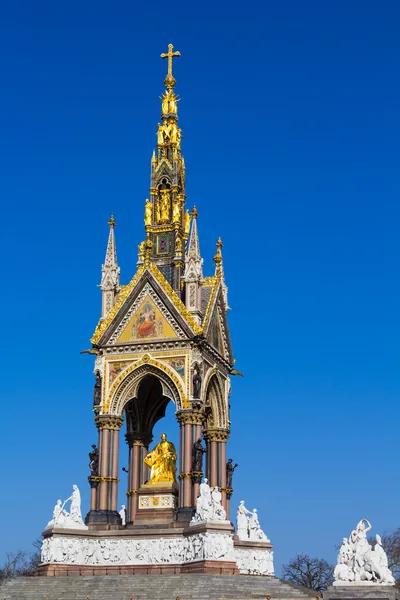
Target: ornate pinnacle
170 80
111 222
218 259
218 255
194 213
148 246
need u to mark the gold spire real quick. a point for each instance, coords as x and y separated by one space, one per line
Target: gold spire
170 79
111 222
195 212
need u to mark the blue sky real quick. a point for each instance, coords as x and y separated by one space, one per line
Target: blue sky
291 125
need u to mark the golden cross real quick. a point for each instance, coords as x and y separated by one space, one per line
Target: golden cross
170 55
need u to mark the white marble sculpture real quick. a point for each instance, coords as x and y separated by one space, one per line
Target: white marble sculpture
255 562
68 520
360 564
242 521
109 551
248 525
122 514
208 505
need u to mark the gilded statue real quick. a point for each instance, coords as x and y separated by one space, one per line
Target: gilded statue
168 104
160 135
187 222
148 212
162 462
165 105
163 208
176 211
173 133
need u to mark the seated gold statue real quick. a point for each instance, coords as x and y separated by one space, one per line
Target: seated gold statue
162 462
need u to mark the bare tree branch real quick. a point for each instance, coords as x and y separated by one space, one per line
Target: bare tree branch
313 573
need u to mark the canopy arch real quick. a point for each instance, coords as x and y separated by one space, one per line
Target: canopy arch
215 401
127 385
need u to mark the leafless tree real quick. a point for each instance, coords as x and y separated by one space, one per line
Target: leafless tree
21 563
313 573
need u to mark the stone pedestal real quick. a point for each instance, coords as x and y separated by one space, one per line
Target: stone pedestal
357 591
254 558
212 548
157 504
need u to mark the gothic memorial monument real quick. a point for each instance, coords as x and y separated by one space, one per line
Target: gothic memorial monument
161 338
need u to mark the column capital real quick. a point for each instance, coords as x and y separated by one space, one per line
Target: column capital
111 422
190 417
138 439
216 435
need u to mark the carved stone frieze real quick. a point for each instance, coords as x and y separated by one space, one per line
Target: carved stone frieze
255 562
116 551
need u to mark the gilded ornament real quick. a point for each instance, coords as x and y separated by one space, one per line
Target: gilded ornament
170 80
162 462
160 135
164 206
148 212
176 210
187 222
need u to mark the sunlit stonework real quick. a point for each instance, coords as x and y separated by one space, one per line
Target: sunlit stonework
162 337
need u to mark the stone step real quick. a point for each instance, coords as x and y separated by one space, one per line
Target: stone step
152 587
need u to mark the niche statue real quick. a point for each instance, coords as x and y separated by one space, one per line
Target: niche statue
97 390
196 383
230 467
162 462
197 456
94 461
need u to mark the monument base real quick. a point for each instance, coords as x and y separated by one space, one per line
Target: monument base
103 519
360 591
202 548
157 504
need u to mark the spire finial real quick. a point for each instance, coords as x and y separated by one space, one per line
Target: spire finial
170 79
194 212
111 222
218 257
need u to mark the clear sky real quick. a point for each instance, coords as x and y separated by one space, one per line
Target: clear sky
290 117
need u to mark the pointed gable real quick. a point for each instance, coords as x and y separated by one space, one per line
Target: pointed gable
145 320
147 308
215 322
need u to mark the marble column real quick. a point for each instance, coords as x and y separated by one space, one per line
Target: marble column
222 472
104 469
197 433
114 470
187 482
109 426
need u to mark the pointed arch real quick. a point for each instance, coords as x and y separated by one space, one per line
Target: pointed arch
127 384
215 399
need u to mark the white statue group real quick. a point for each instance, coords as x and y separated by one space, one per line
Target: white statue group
73 518
360 563
209 505
248 525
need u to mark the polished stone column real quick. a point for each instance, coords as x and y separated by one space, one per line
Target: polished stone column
106 503
114 470
187 482
138 448
216 461
104 469
213 464
222 473
196 478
